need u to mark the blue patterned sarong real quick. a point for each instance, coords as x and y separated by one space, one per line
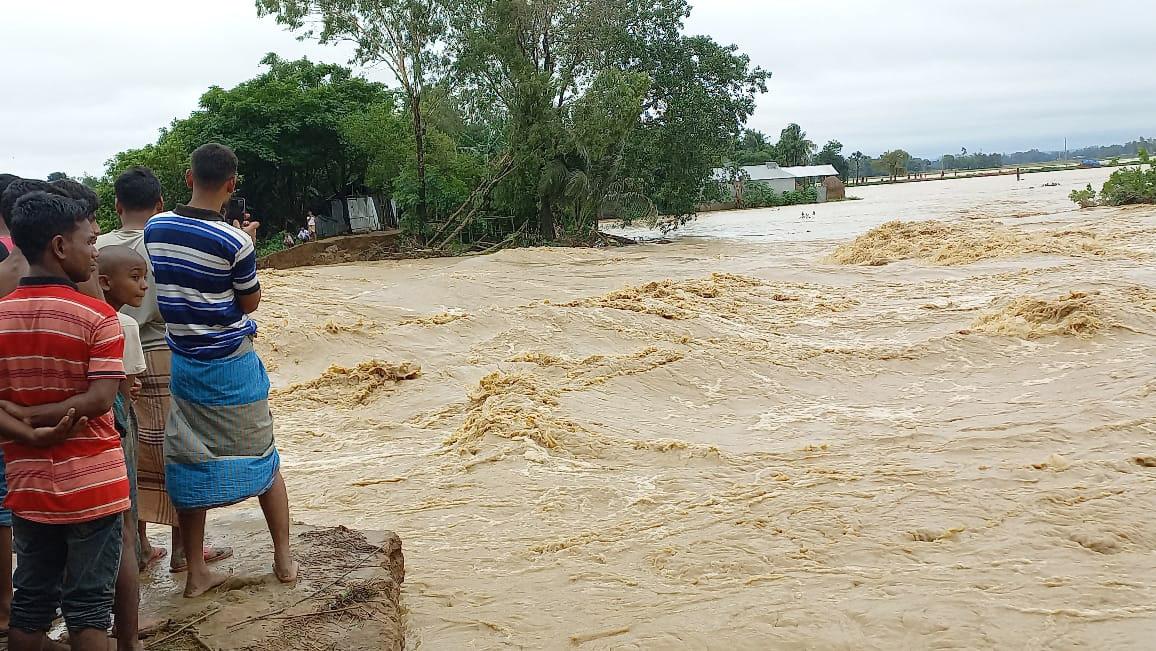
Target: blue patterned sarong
219 447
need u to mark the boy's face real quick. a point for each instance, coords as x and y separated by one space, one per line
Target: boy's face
76 251
127 283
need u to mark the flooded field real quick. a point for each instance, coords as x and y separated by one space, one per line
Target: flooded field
939 435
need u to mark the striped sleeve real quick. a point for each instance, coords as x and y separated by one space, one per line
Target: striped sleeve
245 269
106 357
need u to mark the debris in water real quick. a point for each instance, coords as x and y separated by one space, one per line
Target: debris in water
1074 314
958 244
351 387
431 320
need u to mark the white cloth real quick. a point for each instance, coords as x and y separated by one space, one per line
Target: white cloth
134 357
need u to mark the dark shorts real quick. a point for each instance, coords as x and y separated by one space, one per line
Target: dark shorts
68 566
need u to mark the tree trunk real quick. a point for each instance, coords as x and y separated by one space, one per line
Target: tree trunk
419 142
546 220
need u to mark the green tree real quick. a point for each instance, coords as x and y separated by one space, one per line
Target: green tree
700 98
402 34
286 126
896 162
793 147
56 176
857 160
832 154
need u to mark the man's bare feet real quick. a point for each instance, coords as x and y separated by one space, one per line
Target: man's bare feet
287 574
197 586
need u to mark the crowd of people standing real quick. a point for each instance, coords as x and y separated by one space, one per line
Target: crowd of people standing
130 394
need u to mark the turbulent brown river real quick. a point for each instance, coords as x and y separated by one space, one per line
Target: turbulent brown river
774 433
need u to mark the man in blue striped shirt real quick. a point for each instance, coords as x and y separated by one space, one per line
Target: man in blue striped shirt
219 447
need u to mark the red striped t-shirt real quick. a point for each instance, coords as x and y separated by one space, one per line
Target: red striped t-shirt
53 342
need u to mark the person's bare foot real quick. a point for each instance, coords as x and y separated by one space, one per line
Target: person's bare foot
288 574
197 586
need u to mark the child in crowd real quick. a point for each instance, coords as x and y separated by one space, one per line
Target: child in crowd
61 356
124 281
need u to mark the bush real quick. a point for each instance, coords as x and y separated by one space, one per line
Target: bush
1127 185
1086 198
759 195
271 245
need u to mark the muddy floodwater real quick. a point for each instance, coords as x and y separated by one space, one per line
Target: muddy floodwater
774 433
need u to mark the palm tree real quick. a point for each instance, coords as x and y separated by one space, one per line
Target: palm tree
793 147
857 158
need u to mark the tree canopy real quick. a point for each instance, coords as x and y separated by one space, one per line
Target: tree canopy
542 116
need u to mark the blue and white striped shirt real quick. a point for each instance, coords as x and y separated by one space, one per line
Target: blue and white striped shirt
200 266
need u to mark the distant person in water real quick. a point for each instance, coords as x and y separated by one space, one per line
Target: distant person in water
219 447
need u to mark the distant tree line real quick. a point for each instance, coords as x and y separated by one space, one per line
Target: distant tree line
754 147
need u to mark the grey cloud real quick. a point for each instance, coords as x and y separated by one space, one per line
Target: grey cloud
87 79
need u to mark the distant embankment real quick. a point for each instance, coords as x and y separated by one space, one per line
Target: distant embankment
335 250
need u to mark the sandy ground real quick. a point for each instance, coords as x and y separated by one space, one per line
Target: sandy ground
739 443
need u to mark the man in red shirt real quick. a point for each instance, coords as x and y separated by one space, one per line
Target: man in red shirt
61 354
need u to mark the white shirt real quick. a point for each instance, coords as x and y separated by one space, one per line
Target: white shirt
134 357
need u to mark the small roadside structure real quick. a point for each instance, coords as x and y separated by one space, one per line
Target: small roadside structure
825 179
355 214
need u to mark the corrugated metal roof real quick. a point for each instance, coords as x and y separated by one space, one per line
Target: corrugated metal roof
764 173
812 170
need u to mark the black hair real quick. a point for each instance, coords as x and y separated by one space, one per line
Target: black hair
6 180
80 192
39 217
137 188
213 164
19 188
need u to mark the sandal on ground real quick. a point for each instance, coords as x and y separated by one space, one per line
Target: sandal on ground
159 553
212 555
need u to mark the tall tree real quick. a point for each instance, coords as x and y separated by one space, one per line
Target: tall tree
793 147
286 126
896 162
701 95
402 34
832 154
857 159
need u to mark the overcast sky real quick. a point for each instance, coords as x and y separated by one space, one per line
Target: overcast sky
84 79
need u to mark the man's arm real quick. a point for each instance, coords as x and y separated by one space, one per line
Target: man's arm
246 287
249 302
14 429
105 373
94 403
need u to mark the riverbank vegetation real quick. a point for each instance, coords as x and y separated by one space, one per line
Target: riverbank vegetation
1127 185
511 120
